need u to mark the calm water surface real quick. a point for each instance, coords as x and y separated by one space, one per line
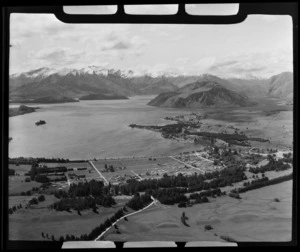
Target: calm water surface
90 129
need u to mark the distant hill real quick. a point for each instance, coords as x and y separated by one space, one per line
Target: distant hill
103 97
281 86
210 91
250 87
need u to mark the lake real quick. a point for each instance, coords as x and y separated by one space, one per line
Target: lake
93 129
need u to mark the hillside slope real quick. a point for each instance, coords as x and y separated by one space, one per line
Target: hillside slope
208 92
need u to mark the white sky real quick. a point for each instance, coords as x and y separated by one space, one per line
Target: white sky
260 46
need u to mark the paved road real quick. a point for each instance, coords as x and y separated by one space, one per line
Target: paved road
187 164
105 181
153 202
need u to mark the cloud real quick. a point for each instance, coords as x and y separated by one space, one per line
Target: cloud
260 64
122 47
57 56
222 64
116 45
182 60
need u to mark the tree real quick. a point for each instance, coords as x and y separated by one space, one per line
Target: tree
33 201
43 235
41 198
208 227
33 170
182 204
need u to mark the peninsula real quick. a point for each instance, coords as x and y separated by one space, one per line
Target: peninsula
45 100
21 110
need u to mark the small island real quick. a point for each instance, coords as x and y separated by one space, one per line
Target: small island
21 110
103 97
45 100
40 122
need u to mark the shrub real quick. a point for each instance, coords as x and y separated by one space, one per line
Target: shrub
276 200
41 198
227 238
33 201
182 204
234 195
41 178
208 227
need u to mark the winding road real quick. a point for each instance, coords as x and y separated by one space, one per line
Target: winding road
153 202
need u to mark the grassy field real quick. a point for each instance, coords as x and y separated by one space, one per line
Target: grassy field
28 224
17 184
256 217
20 169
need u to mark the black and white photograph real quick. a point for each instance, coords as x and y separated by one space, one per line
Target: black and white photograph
140 132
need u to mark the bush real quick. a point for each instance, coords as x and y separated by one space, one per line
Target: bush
182 204
208 227
227 238
11 172
234 195
41 178
276 200
33 201
41 198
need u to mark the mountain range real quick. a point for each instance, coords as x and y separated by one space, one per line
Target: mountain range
205 89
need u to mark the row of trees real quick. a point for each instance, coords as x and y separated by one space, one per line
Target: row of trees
84 195
196 182
23 160
11 210
35 201
255 184
139 201
82 203
273 165
170 196
210 193
93 187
